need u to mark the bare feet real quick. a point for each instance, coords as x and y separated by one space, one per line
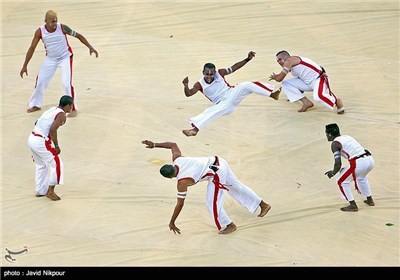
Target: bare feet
51 194
340 106
350 208
264 209
33 109
370 202
307 104
229 229
190 132
275 94
72 114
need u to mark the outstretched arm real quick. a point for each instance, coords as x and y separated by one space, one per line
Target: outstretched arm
182 187
175 214
335 147
29 53
238 64
81 38
287 65
176 152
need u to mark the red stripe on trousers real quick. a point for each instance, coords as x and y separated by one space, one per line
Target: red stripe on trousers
264 87
350 172
56 158
70 82
322 81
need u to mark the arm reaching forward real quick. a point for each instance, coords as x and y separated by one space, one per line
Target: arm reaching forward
176 152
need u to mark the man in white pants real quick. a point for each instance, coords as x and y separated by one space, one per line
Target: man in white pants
191 170
58 54
308 76
225 98
49 166
361 163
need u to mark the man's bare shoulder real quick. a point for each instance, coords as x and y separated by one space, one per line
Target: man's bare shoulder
293 61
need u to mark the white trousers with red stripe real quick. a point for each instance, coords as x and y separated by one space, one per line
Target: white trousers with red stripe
46 73
232 98
49 167
236 189
363 166
294 89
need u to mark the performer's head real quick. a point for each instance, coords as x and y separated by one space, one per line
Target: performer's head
168 171
332 131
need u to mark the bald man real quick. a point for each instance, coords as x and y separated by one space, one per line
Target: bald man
308 76
58 54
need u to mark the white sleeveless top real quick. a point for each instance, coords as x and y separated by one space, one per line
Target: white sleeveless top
193 167
216 90
55 43
350 147
307 70
45 121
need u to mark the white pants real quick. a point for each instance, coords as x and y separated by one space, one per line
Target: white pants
49 166
231 100
46 73
294 89
363 166
236 189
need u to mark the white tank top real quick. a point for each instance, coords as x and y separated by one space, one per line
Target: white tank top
55 43
45 121
216 90
350 147
307 70
193 167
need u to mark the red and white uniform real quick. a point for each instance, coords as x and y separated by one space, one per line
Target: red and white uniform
226 98
58 54
49 166
308 76
360 164
200 169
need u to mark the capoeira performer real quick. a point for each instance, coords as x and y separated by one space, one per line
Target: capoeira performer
58 54
191 170
225 98
361 163
308 76
45 149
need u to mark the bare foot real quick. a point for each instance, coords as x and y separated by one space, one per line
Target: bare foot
229 229
369 202
340 106
33 109
306 105
189 132
349 208
72 114
275 94
51 194
264 209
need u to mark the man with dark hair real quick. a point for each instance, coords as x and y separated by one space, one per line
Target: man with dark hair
361 163
225 98
191 170
58 54
49 166
308 76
